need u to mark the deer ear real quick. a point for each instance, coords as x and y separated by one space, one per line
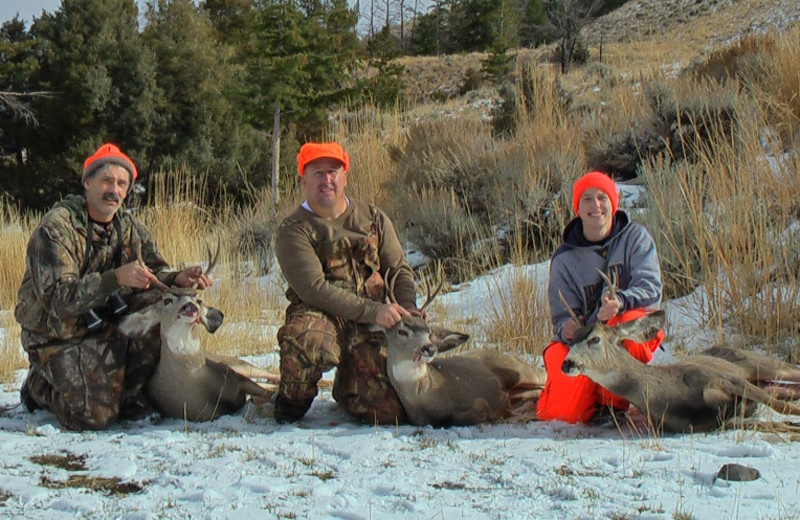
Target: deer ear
137 325
644 328
446 339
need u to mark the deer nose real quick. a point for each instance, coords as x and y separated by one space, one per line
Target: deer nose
429 350
568 366
189 309
214 318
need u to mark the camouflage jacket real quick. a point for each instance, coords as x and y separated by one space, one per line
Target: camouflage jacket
60 283
339 266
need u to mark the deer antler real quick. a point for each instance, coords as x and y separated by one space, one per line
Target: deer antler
568 308
430 297
390 297
213 259
611 282
157 283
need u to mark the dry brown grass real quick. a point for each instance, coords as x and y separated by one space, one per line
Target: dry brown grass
518 318
11 355
15 230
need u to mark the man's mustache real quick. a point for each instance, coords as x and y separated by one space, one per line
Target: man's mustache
111 196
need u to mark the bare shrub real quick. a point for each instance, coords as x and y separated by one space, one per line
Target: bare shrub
743 60
443 229
679 125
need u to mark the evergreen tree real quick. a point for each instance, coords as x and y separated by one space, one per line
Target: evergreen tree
533 30
232 19
475 21
91 56
385 87
17 67
197 125
302 60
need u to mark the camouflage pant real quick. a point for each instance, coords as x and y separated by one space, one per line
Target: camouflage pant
85 382
313 342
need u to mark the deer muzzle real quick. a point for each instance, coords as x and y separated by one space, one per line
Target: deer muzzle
426 353
213 319
570 368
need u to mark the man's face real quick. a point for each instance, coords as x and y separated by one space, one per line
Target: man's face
594 208
105 192
323 181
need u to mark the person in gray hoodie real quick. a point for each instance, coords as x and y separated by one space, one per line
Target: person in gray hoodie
602 237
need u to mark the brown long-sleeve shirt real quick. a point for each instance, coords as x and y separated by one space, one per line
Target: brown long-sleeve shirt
320 260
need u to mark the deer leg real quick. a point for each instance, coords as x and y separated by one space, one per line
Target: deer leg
243 367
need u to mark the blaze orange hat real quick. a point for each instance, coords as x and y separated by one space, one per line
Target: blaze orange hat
109 154
312 151
595 180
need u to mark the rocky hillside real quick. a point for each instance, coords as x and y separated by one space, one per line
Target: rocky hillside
720 21
668 31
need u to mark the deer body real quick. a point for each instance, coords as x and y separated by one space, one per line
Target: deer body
186 384
700 393
460 390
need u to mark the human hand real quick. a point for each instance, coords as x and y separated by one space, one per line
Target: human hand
191 276
135 275
420 313
390 314
609 307
570 327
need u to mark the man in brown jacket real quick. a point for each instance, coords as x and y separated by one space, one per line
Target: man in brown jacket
336 254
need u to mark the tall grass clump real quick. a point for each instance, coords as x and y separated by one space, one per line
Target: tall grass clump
517 317
718 220
368 134
11 356
15 231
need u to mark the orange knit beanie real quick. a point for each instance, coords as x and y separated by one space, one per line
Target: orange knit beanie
109 154
595 180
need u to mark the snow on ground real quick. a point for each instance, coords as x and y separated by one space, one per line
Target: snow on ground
248 466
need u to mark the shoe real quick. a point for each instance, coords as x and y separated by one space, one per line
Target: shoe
608 417
136 410
27 399
289 412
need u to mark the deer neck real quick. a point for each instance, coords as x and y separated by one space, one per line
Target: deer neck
177 341
408 373
622 374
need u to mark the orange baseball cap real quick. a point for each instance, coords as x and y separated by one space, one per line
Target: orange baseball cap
109 154
312 151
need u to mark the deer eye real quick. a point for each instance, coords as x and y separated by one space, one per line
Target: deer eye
167 301
593 341
402 332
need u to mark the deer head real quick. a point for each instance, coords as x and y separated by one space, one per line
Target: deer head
164 306
601 351
413 338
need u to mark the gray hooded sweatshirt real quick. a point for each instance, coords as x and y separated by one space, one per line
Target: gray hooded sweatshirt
629 253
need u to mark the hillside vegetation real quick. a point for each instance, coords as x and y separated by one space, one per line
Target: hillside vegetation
698 103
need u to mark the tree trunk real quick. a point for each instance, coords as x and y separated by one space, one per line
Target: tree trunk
276 154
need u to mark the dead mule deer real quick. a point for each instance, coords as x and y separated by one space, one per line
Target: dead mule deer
779 379
700 393
187 383
466 389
